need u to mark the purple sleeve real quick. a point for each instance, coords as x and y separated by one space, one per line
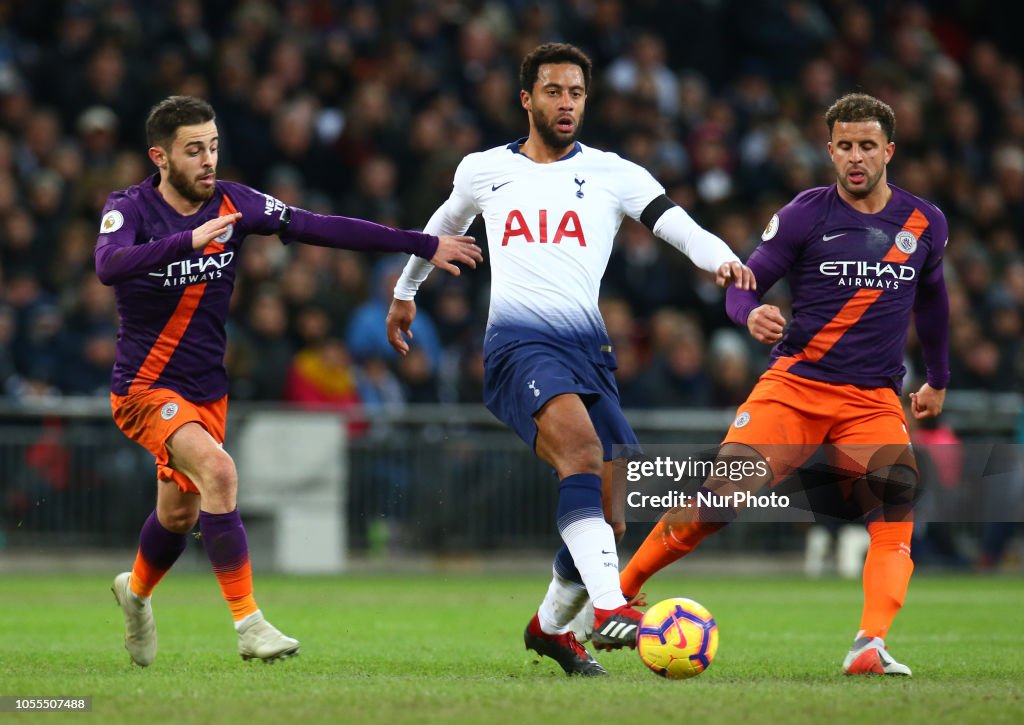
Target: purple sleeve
931 311
116 263
341 232
769 262
118 257
261 213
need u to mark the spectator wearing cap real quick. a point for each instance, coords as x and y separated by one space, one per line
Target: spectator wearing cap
97 130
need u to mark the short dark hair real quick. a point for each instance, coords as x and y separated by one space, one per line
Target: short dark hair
166 117
856 107
553 53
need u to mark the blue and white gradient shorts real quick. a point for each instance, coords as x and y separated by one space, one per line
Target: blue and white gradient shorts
520 377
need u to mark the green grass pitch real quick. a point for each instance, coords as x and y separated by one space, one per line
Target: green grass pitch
448 648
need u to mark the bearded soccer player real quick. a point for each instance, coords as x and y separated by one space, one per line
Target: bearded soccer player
860 256
552 207
170 246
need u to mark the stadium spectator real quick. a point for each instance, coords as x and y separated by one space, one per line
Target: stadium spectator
364 338
369 73
265 350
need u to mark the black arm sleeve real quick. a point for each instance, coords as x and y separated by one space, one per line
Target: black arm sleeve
286 219
653 211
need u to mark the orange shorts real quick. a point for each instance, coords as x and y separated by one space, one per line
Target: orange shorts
787 418
150 417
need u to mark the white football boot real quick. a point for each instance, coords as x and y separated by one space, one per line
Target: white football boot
867 656
259 639
139 626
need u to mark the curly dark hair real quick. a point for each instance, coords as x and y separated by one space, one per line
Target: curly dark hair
166 117
854 107
553 53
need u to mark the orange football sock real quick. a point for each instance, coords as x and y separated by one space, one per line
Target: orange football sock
158 550
236 585
228 549
887 571
667 542
145 576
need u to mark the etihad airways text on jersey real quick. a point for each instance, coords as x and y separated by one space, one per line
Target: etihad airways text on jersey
193 271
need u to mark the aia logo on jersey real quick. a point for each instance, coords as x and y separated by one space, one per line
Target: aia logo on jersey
569 227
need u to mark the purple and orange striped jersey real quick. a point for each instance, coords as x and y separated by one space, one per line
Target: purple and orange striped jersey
173 301
854 279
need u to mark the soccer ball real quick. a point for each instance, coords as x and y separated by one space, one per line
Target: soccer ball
678 638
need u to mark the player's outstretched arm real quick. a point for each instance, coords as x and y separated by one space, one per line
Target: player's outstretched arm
766 324
927 402
339 232
451 249
670 222
399 324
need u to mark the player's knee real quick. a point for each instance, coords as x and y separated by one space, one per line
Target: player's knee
895 489
219 475
895 484
585 454
179 519
619 529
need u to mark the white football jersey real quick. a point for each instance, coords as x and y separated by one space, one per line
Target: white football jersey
550 230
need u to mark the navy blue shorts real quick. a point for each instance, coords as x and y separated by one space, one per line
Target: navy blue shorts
521 377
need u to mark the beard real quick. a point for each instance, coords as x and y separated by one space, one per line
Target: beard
188 189
870 182
550 134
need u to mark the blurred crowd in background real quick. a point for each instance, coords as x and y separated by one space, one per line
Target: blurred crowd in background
365 108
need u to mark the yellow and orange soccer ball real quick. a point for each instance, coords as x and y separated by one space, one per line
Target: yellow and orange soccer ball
678 638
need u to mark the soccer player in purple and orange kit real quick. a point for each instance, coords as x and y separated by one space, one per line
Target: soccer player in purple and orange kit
170 246
860 257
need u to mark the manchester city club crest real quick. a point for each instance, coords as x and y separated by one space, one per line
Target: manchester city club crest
906 242
226 234
169 411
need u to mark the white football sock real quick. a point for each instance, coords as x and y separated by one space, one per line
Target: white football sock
564 600
591 542
245 620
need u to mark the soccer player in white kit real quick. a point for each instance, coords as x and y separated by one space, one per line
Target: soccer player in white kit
552 207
